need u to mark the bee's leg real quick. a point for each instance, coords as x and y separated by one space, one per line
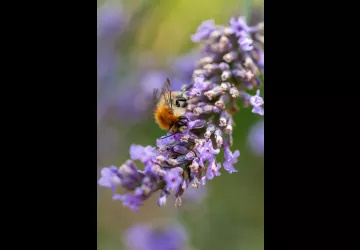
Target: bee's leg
183 118
179 124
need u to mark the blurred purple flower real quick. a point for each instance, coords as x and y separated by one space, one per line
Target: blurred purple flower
111 21
144 237
256 138
195 195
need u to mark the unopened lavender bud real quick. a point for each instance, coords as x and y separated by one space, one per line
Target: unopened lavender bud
172 162
224 117
249 76
229 129
218 138
204 61
181 159
231 56
146 189
194 166
160 159
234 92
197 123
213 92
192 136
199 72
211 68
185 138
222 122
226 75
224 44
209 130
162 201
215 34
195 183
228 31
178 202
163 198
224 66
207 109
199 142
158 170
216 109
197 111
238 73
225 86
221 102
190 156
127 168
179 149
184 185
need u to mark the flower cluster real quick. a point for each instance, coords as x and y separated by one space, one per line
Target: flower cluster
232 62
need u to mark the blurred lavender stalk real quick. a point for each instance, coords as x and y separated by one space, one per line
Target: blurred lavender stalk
145 237
111 21
256 138
231 65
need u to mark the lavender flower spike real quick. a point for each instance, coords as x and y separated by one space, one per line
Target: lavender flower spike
231 66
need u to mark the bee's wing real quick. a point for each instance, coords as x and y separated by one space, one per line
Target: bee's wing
166 93
156 96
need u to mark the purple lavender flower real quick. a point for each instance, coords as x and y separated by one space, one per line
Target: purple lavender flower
256 101
110 20
145 237
203 31
220 80
173 179
109 178
256 138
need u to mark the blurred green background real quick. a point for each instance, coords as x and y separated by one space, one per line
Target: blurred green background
232 214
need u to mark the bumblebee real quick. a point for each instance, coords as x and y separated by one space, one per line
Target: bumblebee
170 108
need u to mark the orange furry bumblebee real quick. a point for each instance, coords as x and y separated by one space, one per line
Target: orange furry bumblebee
170 108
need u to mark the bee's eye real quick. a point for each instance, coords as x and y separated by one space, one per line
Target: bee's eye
177 103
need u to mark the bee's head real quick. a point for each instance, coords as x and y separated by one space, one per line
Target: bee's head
180 100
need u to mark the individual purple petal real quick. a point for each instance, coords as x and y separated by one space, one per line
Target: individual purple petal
109 178
130 200
230 159
256 101
213 170
144 154
203 31
239 25
206 152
